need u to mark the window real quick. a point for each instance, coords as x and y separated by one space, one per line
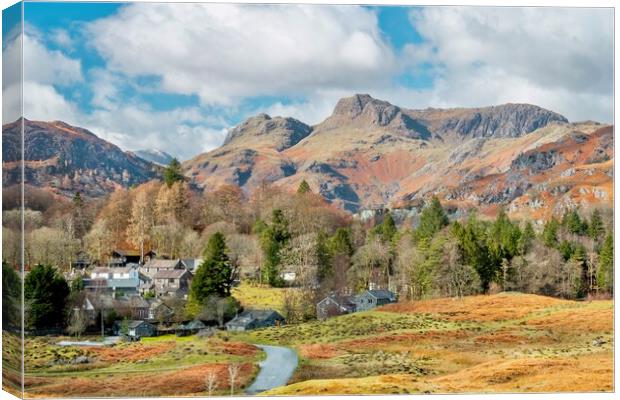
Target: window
171 280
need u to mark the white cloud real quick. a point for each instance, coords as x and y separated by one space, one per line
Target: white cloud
47 66
226 52
559 58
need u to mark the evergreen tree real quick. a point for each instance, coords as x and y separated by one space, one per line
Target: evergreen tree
572 223
472 239
45 292
173 173
526 238
503 238
304 187
274 239
605 274
341 242
432 219
215 274
323 256
11 294
550 233
387 230
595 227
567 249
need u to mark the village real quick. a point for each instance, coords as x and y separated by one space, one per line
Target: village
134 299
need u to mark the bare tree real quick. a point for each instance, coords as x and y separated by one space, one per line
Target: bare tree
233 372
211 382
77 322
141 222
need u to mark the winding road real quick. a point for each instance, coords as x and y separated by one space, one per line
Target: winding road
275 370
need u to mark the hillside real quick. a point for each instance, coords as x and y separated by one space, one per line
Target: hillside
508 342
155 156
66 159
371 154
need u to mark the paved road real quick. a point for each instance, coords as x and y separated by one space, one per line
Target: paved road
275 370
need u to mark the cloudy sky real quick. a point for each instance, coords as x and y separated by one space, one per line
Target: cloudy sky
177 76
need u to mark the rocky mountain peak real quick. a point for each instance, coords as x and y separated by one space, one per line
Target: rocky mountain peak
278 132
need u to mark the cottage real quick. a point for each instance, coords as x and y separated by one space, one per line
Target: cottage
374 298
254 319
160 311
172 282
133 306
121 258
334 305
135 328
154 266
125 280
190 328
82 260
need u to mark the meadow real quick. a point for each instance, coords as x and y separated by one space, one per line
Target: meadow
509 342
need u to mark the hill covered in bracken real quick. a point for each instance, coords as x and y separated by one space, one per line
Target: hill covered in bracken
370 154
65 159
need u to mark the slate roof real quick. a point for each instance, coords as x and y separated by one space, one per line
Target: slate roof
159 263
170 274
382 294
247 317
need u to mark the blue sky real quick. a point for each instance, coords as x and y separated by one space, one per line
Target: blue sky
178 76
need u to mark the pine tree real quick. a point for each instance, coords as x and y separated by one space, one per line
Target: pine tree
215 274
605 274
173 173
274 238
432 219
323 256
526 238
304 187
572 223
550 233
596 228
46 292
388 229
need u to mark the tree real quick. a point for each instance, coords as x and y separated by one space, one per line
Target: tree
233 372
210 382
215 274
323 256
596 228
45 291
387 230
98 241
141 222
432 219
605 274
11 295
124 328
173 173
275 237
550 233
526 238
572 223
78 321
79 217
304 187
503 238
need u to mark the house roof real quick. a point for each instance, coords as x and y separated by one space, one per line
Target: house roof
133 301
159 263
170 274
112 270
195 324
342 301
249 316
191 263
132 324
381 294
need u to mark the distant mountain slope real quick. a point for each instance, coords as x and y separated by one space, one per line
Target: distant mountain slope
372 154
155 156
66 159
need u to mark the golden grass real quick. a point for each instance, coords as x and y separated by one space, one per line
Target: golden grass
503 306
259 297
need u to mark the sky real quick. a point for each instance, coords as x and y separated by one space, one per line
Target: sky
178 76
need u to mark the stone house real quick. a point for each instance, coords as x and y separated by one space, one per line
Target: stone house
254 319
374 298
154 266
175 282
334 305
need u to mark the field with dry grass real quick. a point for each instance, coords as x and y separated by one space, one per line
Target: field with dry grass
162 366
508 342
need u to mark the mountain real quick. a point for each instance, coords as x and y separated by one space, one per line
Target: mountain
66 159
371 154
155 156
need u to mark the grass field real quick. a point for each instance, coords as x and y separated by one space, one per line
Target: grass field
259 296
161 366
508 342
